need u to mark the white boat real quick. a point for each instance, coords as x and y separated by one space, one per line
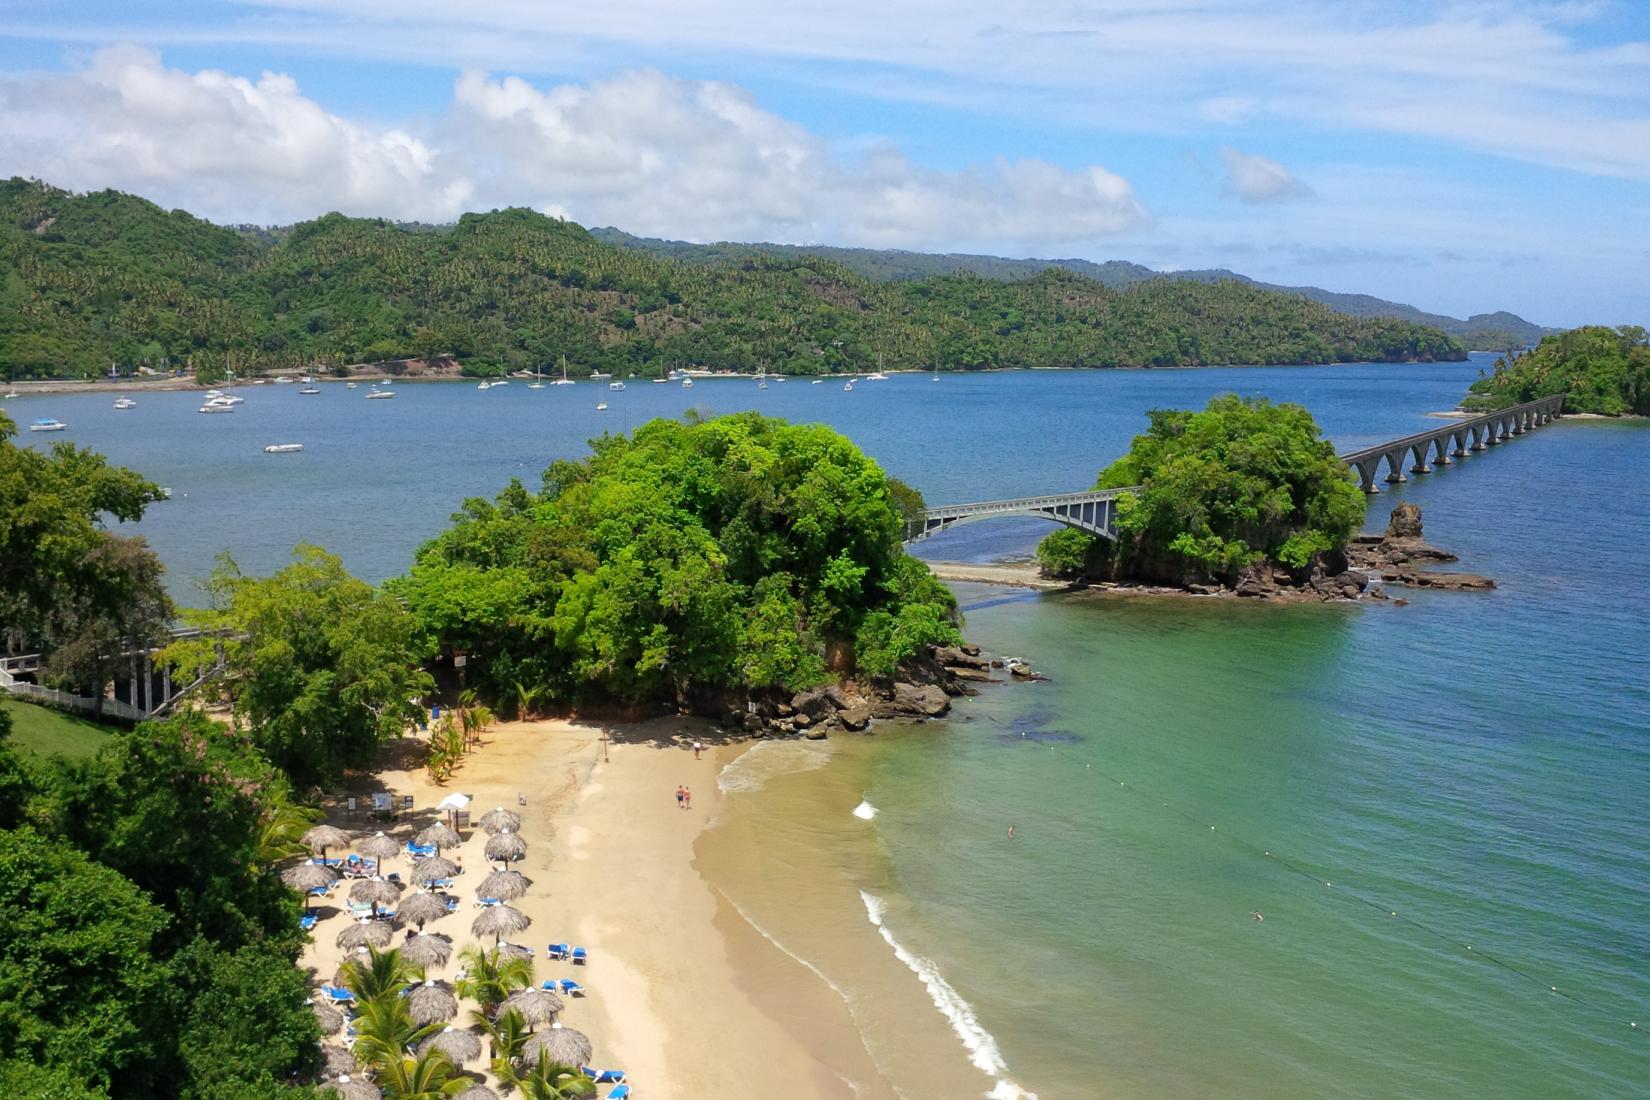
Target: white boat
602 407
125 403
210 394
380 395
936 377
484 385
283 381
47 424
309 389
848 386
307 380
817 381
659 381
876 376
615 385
11 395
538 380
216 407
597 376
762 384
349 385
563 380
499 382
687 383
283 448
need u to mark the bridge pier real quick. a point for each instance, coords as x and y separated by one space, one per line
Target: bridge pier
1441 446
1395 467
1419 451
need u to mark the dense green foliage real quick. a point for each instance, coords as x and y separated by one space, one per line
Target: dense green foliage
1492 331
1243 481
322 668
1598 369
94 279
146 949
736 553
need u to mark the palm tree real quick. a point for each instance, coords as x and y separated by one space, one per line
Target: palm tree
380 974
385 1030
282 823
430 1076
527 698
506 1036
554 1081
489 979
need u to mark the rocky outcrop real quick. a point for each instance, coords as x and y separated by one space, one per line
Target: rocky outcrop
1394 555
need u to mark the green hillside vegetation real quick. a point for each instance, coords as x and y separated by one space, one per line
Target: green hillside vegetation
1484 331
722 557
1598 369
46 732
1241 483
90 280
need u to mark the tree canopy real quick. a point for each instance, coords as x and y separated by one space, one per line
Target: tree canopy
1243 481
86 280
1597 369
736 552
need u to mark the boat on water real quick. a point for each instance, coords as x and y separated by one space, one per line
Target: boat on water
283 448
500 382
125 403
484 385
307 380
216 407
601 406
380 395
47 424
687 383
876 376
936 377
283 381
818 381
848 386
563 380
538 380
309 389
615 385
349 385
762 384
659 381
597 376
11 395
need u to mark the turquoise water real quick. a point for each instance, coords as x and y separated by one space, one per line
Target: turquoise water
1477 763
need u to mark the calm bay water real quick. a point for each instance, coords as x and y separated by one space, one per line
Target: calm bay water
1477 764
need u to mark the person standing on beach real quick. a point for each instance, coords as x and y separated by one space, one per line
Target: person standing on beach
697 749
681 797
687 793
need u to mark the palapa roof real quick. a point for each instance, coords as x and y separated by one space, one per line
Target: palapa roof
558 1044
499 820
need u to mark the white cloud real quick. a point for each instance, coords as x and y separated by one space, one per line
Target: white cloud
1254 178
645 151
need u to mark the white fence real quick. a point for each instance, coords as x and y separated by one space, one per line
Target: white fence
111 708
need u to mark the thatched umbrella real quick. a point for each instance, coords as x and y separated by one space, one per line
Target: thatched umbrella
499 921
505 846
433 870
500 820
380 847
365 932
431 1003
504 885
441 835
307 876
558 1044
322 837
378 891
458 1044
477 1091
420 907
537 1006
507 950
336 1060
427 950
328 1017
355 1088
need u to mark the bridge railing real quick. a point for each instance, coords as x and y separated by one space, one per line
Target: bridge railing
1463 424
1030 503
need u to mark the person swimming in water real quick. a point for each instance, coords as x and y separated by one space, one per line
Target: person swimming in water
1011 832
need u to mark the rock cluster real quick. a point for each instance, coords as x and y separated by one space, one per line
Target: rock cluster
1395 556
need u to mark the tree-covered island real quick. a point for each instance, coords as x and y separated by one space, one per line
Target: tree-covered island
1244 495
1599 370
107 279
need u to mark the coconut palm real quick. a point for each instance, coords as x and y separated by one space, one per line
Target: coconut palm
490 977
555 1081
379 973
281 830
384 1029
506 1036
430 1076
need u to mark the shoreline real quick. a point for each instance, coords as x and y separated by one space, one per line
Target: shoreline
679 985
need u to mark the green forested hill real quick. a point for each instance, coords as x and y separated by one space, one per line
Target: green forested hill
94 279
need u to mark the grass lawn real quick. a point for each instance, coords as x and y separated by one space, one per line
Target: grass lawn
43 730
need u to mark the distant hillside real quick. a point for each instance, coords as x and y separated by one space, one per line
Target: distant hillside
1484 331
90 280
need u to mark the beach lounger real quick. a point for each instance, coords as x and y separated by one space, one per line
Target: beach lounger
420 851
308 921
565 985
441 884
360 908
605 1076
488 903
580 956
319 891
620 1093
452 903
334 995
325 862
556 951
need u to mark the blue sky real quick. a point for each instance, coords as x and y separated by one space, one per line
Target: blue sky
1462 156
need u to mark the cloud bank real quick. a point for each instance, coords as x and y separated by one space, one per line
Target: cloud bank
646 151
1254 178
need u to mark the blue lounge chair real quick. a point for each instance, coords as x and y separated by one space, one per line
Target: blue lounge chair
324 862
571 988
605 1076
442 884
420 851
319 891
556 951
452 903
335 995
620 1093
308 921
580 956
488 903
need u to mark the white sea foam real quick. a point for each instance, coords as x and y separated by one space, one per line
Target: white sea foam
865 811
980 1043
767 759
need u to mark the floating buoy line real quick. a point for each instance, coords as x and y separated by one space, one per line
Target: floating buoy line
1321 884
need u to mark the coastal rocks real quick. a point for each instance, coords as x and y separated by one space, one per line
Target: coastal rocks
912 701
1393 556
856 717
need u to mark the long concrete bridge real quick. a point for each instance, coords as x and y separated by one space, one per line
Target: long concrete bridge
1096 511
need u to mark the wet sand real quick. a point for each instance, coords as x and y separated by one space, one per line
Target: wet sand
611 859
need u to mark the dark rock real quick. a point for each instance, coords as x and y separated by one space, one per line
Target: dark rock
954 658
1350 591
816 734
802 721
971 649
978 675
921 699
1450 582
1023 671
1376 592
1399 602
1203 589
785 710
811 703
855 717
1405 523
751 722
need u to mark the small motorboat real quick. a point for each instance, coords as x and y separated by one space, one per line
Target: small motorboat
216 407
615 385
47 424
659 381
283 381
283 448
484 385
380 395
848 386
687 383
597 376
563 380
500 382
309 389
125 403
817 381
349 385
876 376
602 407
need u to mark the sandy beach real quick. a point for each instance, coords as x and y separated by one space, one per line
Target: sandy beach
610 856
